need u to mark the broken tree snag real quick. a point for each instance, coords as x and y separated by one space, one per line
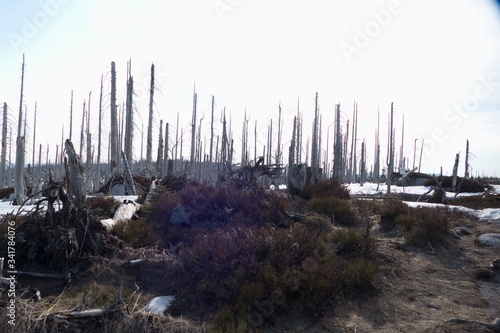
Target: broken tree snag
75 176
455 171
129 180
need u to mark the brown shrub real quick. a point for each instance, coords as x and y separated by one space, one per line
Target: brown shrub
339 209
389 209
138 233
234 270
423 224
103 206
326 188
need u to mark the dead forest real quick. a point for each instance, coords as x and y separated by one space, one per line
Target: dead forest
113 157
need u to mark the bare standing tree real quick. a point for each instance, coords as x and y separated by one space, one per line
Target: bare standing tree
99 137
212 130
376 167
114 152
337 147
74 173
19 185
129 122
390 156
314 143
165 151
466 173
193 129
455 173
149 142
159 157
4 146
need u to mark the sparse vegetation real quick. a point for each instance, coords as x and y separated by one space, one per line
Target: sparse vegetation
421 225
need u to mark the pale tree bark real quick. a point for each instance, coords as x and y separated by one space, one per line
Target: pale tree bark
390 157
88 178
129 180
75 176
19 185
193 131
165 152
3 157
455 172
314 144
149 141
129 122
99 137
337 160
159 157
114 158
466 174
376 167
212 130
71 117
82 131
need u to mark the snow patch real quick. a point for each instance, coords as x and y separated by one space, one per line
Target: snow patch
159 304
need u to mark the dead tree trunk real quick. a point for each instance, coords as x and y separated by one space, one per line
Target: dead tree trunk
149 141
376 166
314 144
466 174
75 176
362 177
71 116
129 180
224 143
19 185
88 178
337 160
129 122
165 152
455 172
212 131
291 152
298 144
114 158
4 146
82 131
278 150
159 157
99 137
193 131
390 157
401 152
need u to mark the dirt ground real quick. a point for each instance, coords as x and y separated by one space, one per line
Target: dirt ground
423 292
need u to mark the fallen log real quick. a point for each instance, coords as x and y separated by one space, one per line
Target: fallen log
124 212
92 313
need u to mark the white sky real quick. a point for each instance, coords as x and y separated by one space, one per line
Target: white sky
438 61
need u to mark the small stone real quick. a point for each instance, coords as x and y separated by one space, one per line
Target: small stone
495 264
462 231
484 274
490 240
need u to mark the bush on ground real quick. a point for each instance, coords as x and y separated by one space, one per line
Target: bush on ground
338 209
423 224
